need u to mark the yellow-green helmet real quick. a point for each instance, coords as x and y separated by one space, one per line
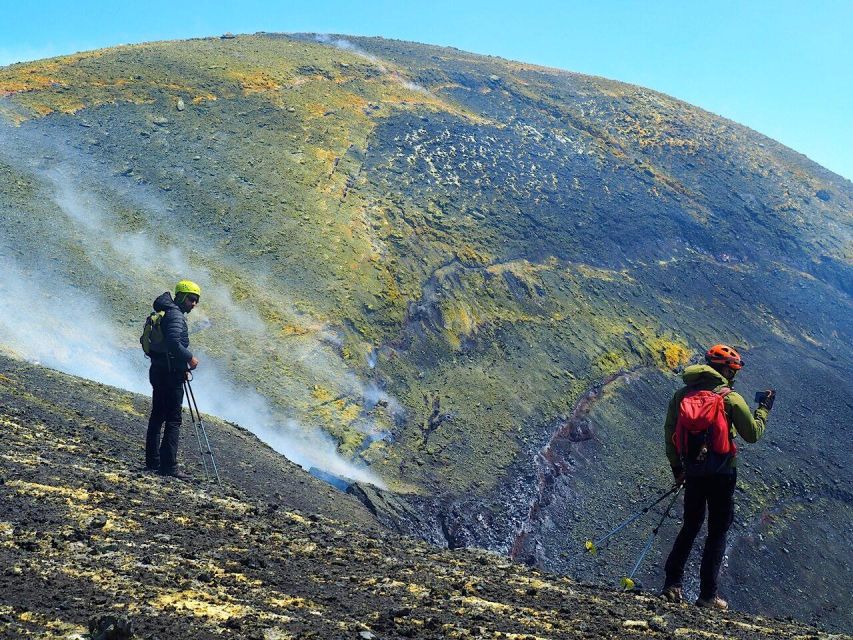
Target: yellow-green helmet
187 286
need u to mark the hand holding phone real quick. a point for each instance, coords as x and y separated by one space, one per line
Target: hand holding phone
765 398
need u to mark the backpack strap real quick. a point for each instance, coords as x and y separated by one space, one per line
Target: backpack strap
722 391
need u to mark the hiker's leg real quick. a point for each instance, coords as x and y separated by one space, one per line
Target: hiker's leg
694 515
174 394
721 511
155 421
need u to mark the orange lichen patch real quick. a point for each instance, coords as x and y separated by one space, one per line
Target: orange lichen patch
326 155
294 330
118 82
14 85
316 110
670 354
339 101
39 75
400 97
42 102
399 93
42 109
65 86
254 81
353 102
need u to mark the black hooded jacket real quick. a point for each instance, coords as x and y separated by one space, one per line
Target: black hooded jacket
176 336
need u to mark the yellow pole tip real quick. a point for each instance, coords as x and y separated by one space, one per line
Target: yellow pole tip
627 584
590 546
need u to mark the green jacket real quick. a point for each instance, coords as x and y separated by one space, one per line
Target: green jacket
748 425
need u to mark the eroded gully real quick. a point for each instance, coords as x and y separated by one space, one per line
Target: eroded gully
550 464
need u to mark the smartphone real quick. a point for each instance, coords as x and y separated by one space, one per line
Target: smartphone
765 398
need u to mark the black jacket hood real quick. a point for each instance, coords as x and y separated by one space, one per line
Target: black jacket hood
164 302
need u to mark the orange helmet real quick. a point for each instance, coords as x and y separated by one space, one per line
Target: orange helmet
724 354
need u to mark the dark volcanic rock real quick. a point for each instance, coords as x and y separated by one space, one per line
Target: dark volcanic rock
212 574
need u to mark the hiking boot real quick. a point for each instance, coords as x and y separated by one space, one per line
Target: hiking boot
715 602
151 469
174 473
673 593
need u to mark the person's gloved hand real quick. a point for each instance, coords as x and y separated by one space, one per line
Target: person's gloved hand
767 400
678 474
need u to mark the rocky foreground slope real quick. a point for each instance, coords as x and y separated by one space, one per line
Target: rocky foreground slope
276 554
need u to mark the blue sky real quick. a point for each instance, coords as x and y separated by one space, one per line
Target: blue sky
784 68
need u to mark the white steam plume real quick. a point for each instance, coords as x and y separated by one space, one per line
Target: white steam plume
65 329
62 328
146 256
346 45
306 447
73 334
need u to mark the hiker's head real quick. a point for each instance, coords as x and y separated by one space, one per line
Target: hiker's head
187 295
725 360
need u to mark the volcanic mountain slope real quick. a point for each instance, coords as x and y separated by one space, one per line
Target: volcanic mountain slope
477 275
273 554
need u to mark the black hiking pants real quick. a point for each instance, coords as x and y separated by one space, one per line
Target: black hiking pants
166 401
717 492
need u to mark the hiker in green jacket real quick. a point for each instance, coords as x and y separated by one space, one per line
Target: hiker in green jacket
701 423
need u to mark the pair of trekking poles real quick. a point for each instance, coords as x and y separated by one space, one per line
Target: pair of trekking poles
211 472
592 547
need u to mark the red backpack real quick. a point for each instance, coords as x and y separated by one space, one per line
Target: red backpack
702 436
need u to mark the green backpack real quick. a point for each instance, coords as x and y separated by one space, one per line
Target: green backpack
152 333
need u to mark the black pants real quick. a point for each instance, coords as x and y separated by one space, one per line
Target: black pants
717 491
166 401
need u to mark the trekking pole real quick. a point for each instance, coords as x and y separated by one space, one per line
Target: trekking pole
209 451
197 434
592 547
627 582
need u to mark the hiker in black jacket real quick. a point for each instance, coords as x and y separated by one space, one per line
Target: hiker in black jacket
170 361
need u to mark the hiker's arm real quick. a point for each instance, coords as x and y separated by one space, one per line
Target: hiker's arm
172 330
668 431
749 425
